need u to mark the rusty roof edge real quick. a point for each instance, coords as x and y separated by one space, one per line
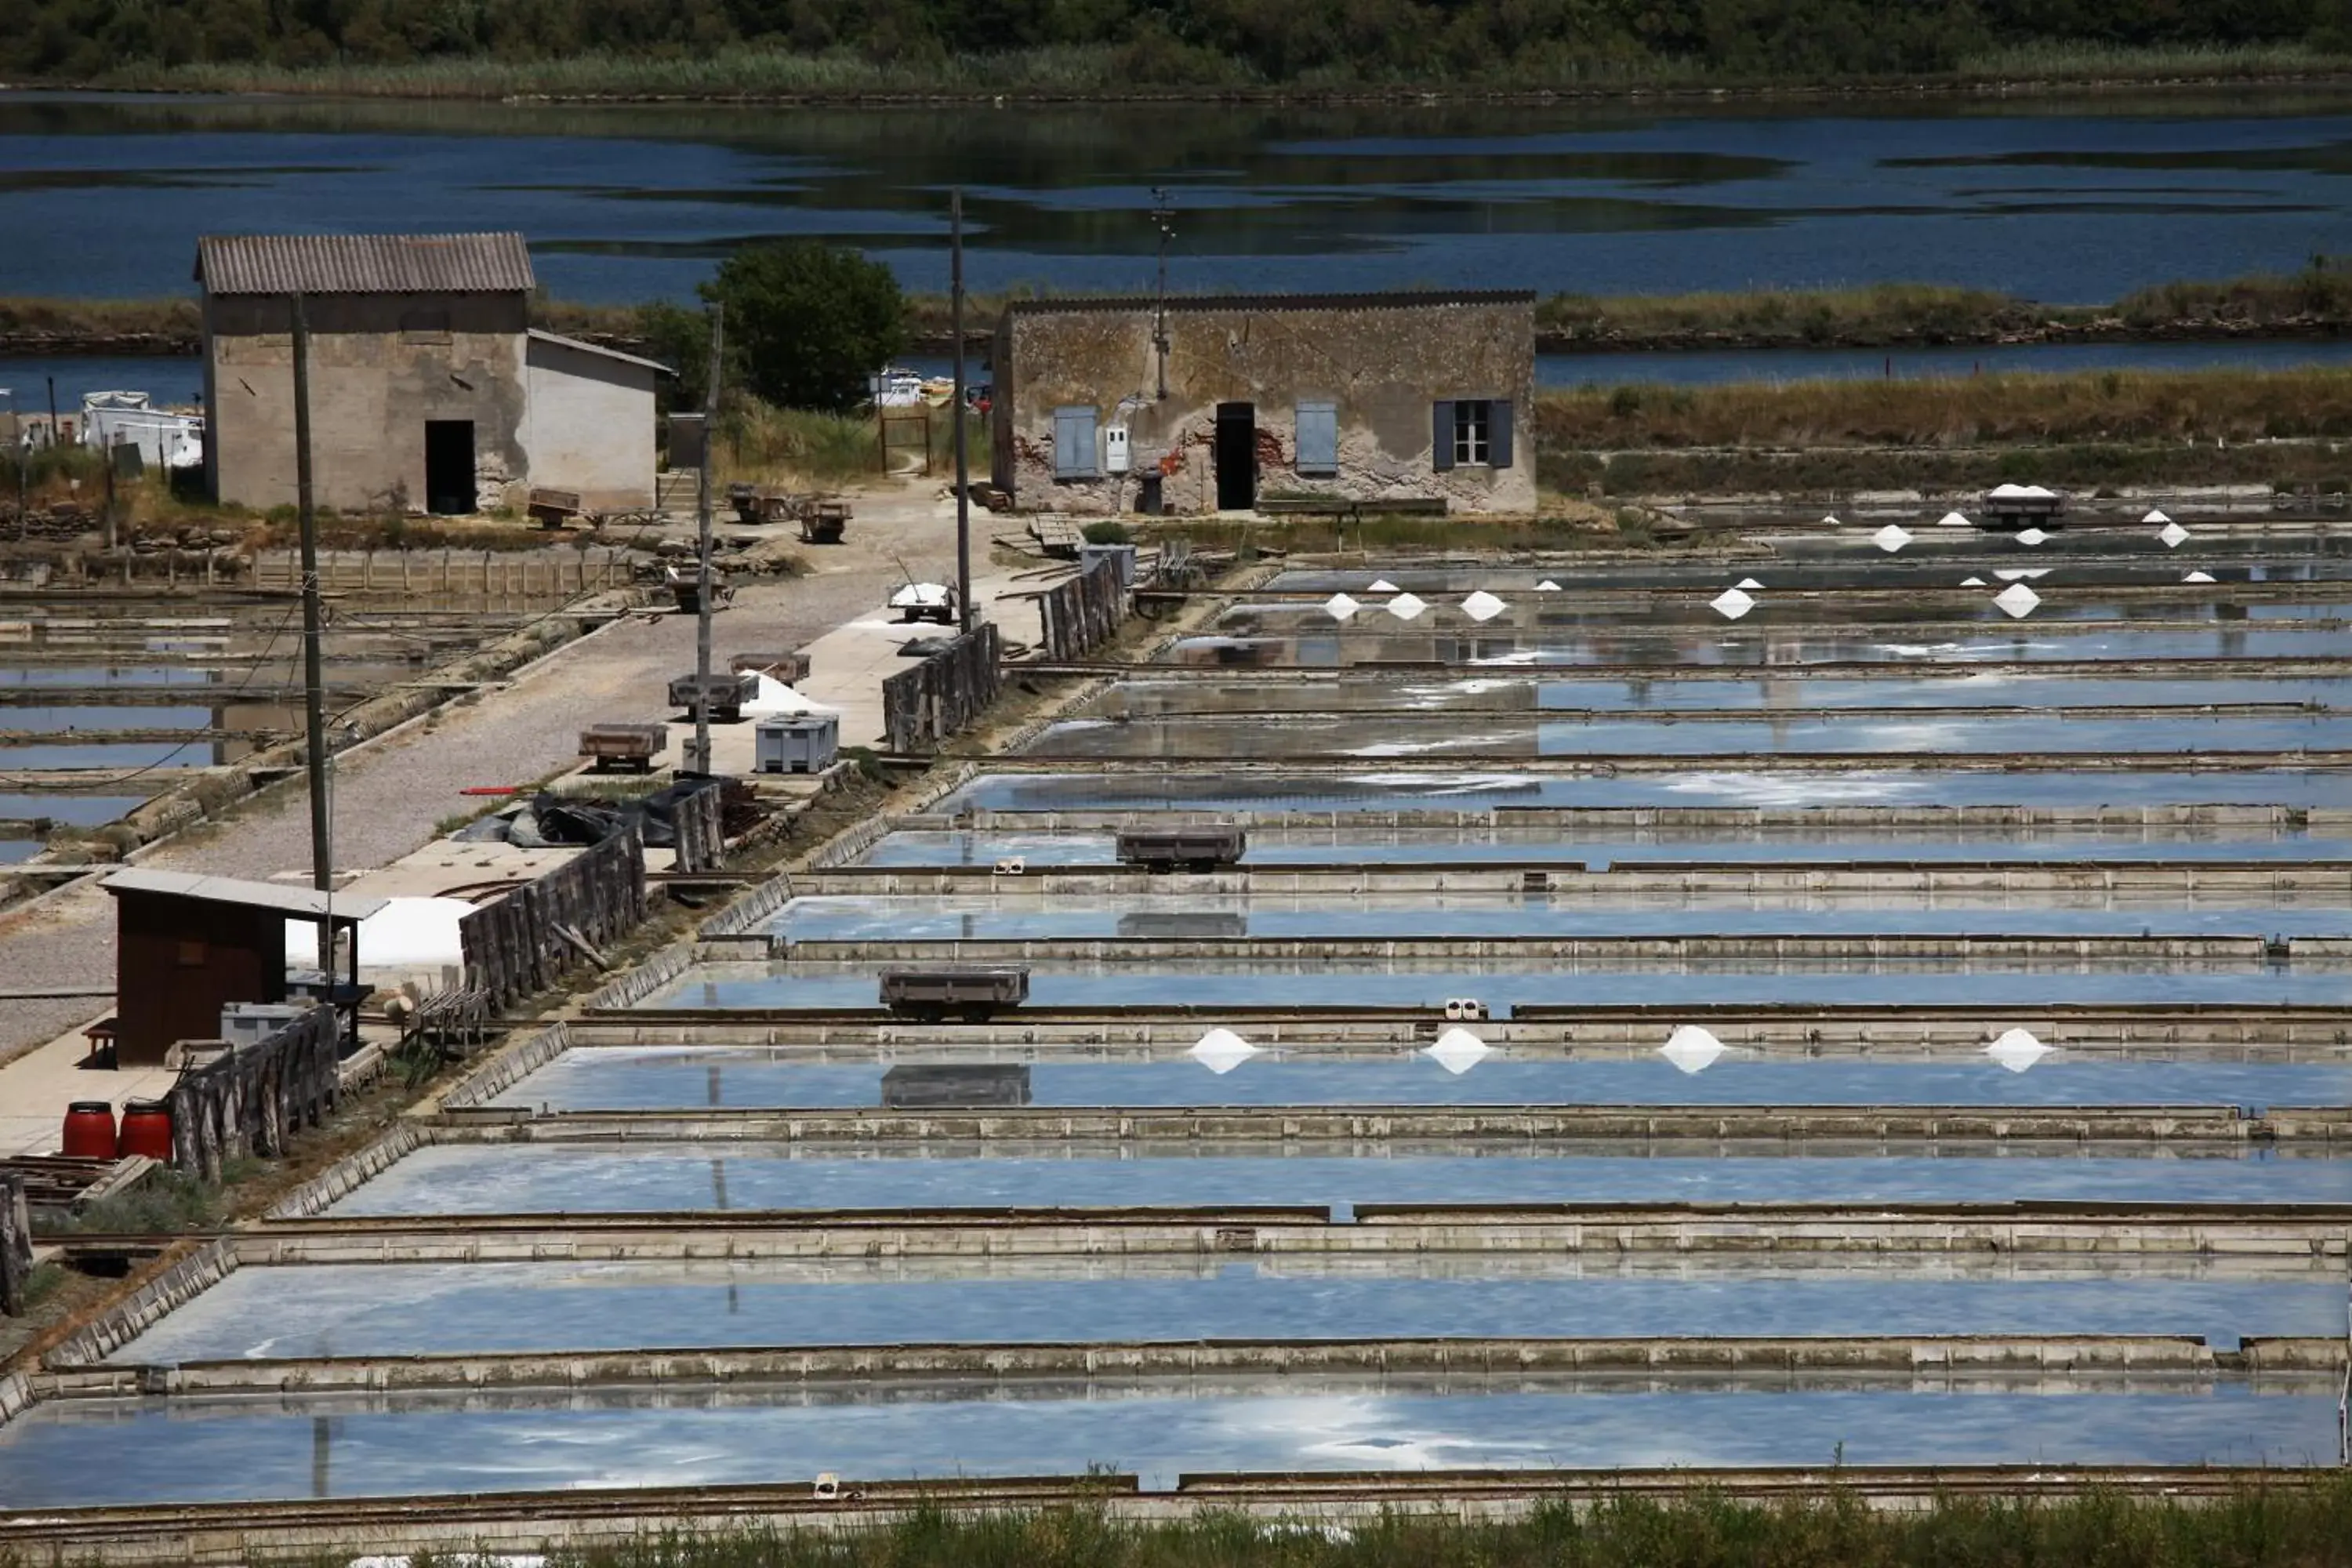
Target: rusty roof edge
1394 300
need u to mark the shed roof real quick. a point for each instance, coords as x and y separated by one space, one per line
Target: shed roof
1402 300
307 901
560 340
363 263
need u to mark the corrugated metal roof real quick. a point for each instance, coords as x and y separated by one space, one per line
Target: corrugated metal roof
363 263
1398 301
560 340
253 895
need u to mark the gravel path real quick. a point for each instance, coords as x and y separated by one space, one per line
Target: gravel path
391 792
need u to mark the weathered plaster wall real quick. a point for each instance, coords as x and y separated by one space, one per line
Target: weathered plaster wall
1383 365
589 426
380 366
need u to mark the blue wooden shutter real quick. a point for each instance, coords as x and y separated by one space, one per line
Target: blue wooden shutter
1318 439
1440 436
1499 433
1074 443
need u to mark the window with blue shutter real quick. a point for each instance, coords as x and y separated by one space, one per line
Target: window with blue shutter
1073 444
1470 433
1319 439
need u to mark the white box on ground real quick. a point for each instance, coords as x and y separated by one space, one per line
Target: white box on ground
796 743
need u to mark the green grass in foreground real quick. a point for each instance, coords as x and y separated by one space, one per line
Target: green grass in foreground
2281 1527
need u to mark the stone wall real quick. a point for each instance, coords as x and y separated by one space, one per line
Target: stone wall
590 425
1384 361
380 366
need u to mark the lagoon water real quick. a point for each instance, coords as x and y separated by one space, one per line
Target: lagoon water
2053 198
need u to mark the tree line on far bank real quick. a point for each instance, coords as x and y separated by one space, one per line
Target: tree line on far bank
1204 42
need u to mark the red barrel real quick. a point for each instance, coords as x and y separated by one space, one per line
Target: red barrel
146 1130
90 1129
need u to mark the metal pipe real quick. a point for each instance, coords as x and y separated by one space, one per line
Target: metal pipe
314 682
962 464
698 760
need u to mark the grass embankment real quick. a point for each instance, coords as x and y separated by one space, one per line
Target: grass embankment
762 444
2316 301
2286 429
2284 1527
1151 64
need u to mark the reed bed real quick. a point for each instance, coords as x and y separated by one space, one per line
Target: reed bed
2101 407
1153 64
730 71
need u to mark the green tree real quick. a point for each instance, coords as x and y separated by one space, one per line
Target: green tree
807 323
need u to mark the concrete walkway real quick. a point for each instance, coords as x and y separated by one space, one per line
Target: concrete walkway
390 794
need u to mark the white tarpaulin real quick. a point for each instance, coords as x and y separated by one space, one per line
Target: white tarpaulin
1220 1051
1458 1051
776 698
406 933
2018 600
1692 1048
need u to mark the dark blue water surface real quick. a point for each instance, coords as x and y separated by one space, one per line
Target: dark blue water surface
2054 199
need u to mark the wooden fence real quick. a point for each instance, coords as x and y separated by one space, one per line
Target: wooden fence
699 822
548 574
15 1245
523 942
1082 613
250 1100
944 694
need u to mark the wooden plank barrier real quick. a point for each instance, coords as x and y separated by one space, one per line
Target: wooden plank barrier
548 573
250 1100
1082 613
15 1245
524 942
944 695
699 822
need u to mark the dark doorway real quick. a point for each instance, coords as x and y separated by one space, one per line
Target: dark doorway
1236 457
449 466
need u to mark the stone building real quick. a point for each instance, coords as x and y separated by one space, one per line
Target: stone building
1420 397
429 389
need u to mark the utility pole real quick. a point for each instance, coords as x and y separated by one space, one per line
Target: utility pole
699 762
962 463
314 685
17 433
1163 217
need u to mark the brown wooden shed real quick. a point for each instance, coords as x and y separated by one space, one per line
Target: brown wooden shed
186 946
